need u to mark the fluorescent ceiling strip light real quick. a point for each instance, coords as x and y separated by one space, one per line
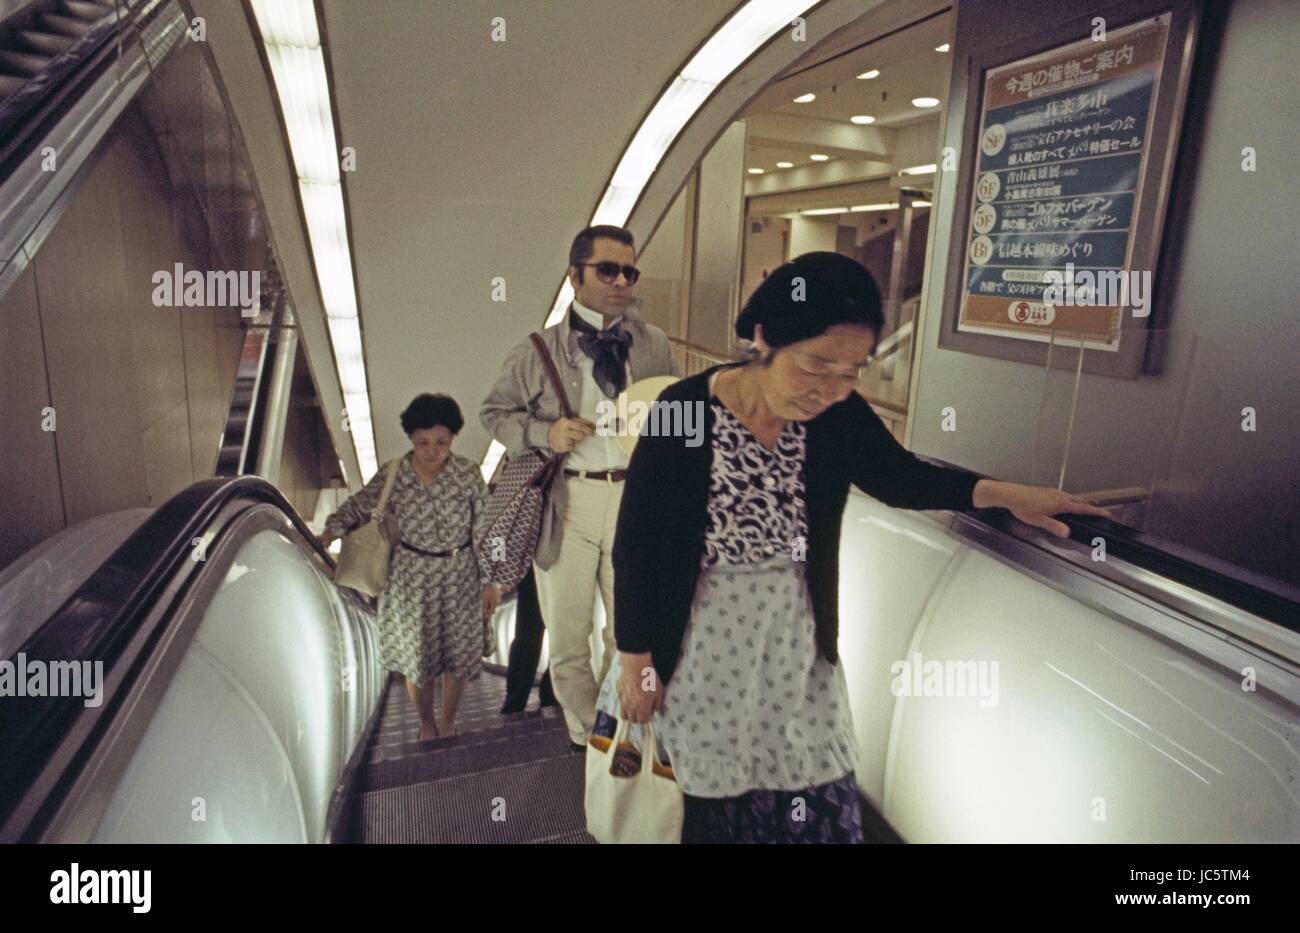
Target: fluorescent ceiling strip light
726 50
884 206
919 169
293 50
825 210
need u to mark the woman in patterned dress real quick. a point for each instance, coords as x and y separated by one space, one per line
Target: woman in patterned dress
432 610
726 562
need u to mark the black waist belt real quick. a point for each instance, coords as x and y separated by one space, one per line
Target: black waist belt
613 476
423 552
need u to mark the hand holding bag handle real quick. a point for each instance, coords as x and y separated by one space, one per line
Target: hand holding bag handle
547 474
516 504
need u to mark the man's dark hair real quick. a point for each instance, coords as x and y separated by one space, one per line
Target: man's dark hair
583 247
429 411
809 294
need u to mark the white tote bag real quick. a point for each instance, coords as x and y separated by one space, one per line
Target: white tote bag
642 808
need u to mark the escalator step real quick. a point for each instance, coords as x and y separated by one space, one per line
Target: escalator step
65 25
90 12
47 43
542 801
500 749
23 63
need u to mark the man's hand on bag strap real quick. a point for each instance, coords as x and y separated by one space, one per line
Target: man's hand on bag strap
567 433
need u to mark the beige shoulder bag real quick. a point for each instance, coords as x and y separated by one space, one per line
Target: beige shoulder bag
363 561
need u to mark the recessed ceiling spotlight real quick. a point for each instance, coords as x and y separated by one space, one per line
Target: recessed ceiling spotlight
755 171
868 75
785 165
862 119
805 98
942 48
925 102
818 157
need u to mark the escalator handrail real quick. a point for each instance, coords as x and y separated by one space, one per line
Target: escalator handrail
98 622
1229 583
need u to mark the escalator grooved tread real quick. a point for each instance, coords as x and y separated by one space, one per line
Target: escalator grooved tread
500 750
447 790
537 801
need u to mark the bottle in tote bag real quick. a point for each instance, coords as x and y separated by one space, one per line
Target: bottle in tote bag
645 807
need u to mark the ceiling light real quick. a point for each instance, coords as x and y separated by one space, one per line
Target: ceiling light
755 171
805 98
818 157
293 52
884 206
942 48
920 203
918 169
825 210
785 165
868 75
862 119
925 102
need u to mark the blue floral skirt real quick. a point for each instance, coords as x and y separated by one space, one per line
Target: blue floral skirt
828 813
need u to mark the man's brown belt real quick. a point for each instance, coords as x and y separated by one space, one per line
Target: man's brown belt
613 476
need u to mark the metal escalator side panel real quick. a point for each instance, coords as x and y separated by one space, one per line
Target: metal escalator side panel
244 723
118 618
1028 715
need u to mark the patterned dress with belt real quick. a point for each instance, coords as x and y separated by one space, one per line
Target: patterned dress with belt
430 613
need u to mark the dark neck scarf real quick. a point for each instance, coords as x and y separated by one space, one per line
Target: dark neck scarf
608 350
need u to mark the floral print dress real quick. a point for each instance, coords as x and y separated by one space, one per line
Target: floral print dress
431 612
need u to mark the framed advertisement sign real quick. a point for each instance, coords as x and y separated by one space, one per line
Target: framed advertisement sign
1063 186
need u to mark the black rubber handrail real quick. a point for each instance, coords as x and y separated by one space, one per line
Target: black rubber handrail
97 623
1233 585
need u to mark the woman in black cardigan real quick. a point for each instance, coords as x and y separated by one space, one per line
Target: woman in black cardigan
726 560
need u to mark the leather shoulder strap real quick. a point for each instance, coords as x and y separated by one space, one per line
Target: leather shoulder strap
388 484
540 345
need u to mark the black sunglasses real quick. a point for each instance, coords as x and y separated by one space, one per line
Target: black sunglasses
608 272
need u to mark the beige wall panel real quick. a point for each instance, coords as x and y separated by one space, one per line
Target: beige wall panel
30 506
88 345
228 339
149 246
165 449
202 379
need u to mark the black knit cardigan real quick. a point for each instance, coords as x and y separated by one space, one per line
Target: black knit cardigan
664 512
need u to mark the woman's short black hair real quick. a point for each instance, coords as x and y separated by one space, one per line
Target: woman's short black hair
809 294
429 411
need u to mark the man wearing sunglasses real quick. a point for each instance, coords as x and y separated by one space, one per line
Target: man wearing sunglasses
601 346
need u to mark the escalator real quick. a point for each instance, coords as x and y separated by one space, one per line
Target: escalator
242 697
39 35
239 697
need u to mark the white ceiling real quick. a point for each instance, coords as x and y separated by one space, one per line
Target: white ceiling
478 160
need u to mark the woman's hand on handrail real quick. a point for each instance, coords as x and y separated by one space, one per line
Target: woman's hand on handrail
1033 505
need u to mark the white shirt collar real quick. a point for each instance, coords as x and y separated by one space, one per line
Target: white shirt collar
594 318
